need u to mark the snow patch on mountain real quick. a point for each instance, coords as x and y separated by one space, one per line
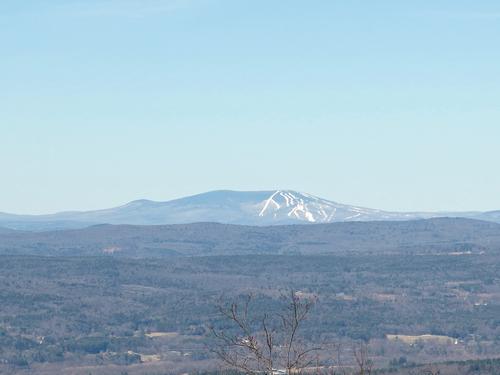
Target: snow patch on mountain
282 204
228 207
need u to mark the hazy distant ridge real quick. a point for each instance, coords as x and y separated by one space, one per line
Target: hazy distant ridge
227 207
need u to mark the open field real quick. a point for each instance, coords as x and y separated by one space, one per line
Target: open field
412 340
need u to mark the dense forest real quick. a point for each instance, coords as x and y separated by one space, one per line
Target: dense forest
433 236
96 314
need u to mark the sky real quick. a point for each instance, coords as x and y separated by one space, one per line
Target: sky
383 104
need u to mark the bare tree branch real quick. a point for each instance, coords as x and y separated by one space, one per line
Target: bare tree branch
266 343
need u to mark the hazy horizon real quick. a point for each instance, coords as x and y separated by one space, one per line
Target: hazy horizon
389 105
227 190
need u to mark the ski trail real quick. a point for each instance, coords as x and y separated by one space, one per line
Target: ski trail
268 202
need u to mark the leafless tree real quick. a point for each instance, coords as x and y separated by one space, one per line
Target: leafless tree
360 362
338 367
266 343
363 362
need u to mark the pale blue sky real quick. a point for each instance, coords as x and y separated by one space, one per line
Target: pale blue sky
386 104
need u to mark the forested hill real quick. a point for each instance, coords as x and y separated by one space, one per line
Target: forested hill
433 236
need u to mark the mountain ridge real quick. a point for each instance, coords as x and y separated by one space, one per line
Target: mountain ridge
261 208
458 236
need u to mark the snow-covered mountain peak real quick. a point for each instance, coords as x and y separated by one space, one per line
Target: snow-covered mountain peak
226 206
289 204
294 206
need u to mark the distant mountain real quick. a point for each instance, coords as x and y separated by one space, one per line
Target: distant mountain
228 207
433 236
489 216
6 230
